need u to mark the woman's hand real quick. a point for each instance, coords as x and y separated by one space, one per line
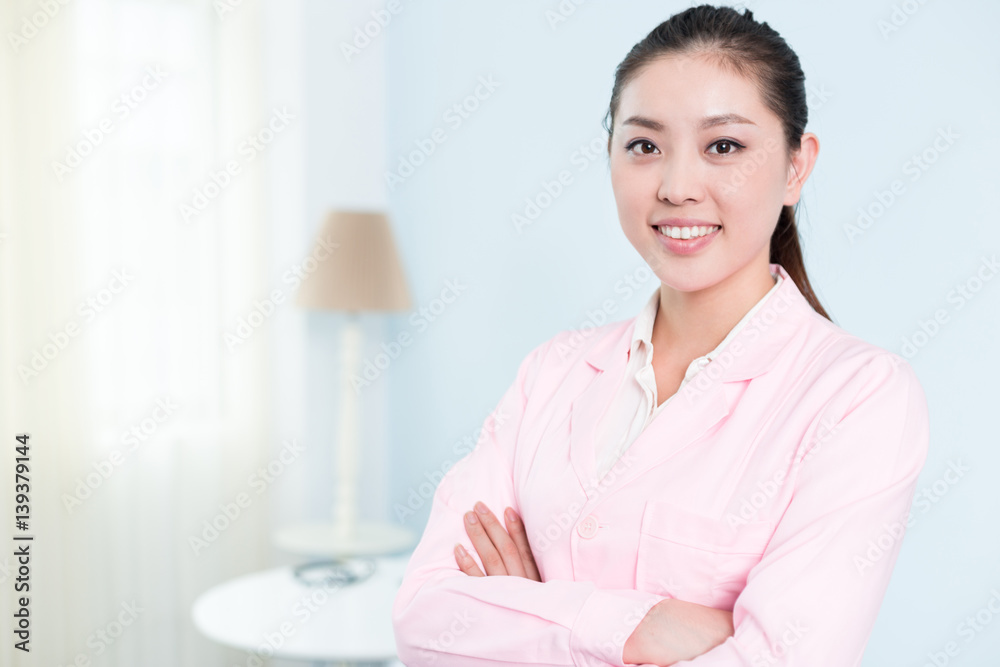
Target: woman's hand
500 553
675 630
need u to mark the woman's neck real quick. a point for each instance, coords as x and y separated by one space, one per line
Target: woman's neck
691 324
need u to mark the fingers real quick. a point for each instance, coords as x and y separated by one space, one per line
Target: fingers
483 546
496 549
467 563
517 533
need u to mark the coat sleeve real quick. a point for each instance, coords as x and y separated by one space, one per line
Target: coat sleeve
446 618
813 598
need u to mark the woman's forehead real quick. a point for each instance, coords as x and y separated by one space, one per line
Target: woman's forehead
684 92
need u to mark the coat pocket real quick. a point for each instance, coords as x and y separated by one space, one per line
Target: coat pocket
694 557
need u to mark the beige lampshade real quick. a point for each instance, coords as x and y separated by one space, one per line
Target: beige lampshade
362 272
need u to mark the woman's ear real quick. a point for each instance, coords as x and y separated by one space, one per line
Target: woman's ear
803 160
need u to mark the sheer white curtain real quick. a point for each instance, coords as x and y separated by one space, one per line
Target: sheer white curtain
115 304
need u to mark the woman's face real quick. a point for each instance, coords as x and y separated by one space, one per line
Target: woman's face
693 144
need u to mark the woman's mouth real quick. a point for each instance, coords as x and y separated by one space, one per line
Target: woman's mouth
687 232
686 240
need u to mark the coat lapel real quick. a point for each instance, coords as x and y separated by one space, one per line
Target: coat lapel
697 407
588 407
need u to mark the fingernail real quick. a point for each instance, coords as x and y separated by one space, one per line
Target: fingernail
481 508
459 550
510 515
471 517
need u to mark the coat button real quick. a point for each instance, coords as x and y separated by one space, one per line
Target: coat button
588 527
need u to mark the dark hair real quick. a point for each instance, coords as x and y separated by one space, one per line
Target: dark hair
752 50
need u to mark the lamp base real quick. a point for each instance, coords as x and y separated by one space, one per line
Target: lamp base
336 572
370 538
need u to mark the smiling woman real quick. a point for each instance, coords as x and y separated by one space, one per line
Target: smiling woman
686 486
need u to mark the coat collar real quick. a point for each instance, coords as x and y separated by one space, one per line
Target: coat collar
752 352
699 405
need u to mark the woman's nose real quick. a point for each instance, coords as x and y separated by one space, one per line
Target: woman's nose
680 180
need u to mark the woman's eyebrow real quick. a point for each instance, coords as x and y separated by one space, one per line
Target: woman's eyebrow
706 123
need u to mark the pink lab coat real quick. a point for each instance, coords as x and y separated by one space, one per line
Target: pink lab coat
777 484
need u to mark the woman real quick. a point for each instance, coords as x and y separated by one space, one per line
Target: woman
724 479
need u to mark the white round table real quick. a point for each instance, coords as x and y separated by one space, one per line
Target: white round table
273 614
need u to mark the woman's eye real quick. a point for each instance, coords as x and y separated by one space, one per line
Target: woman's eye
640 142
730 146
725 147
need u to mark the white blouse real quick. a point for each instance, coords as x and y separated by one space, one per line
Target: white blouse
634 406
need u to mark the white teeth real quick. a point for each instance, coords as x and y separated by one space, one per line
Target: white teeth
687 232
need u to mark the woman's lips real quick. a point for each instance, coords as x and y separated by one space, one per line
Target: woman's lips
686 246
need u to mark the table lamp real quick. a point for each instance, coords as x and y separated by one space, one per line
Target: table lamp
363 273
